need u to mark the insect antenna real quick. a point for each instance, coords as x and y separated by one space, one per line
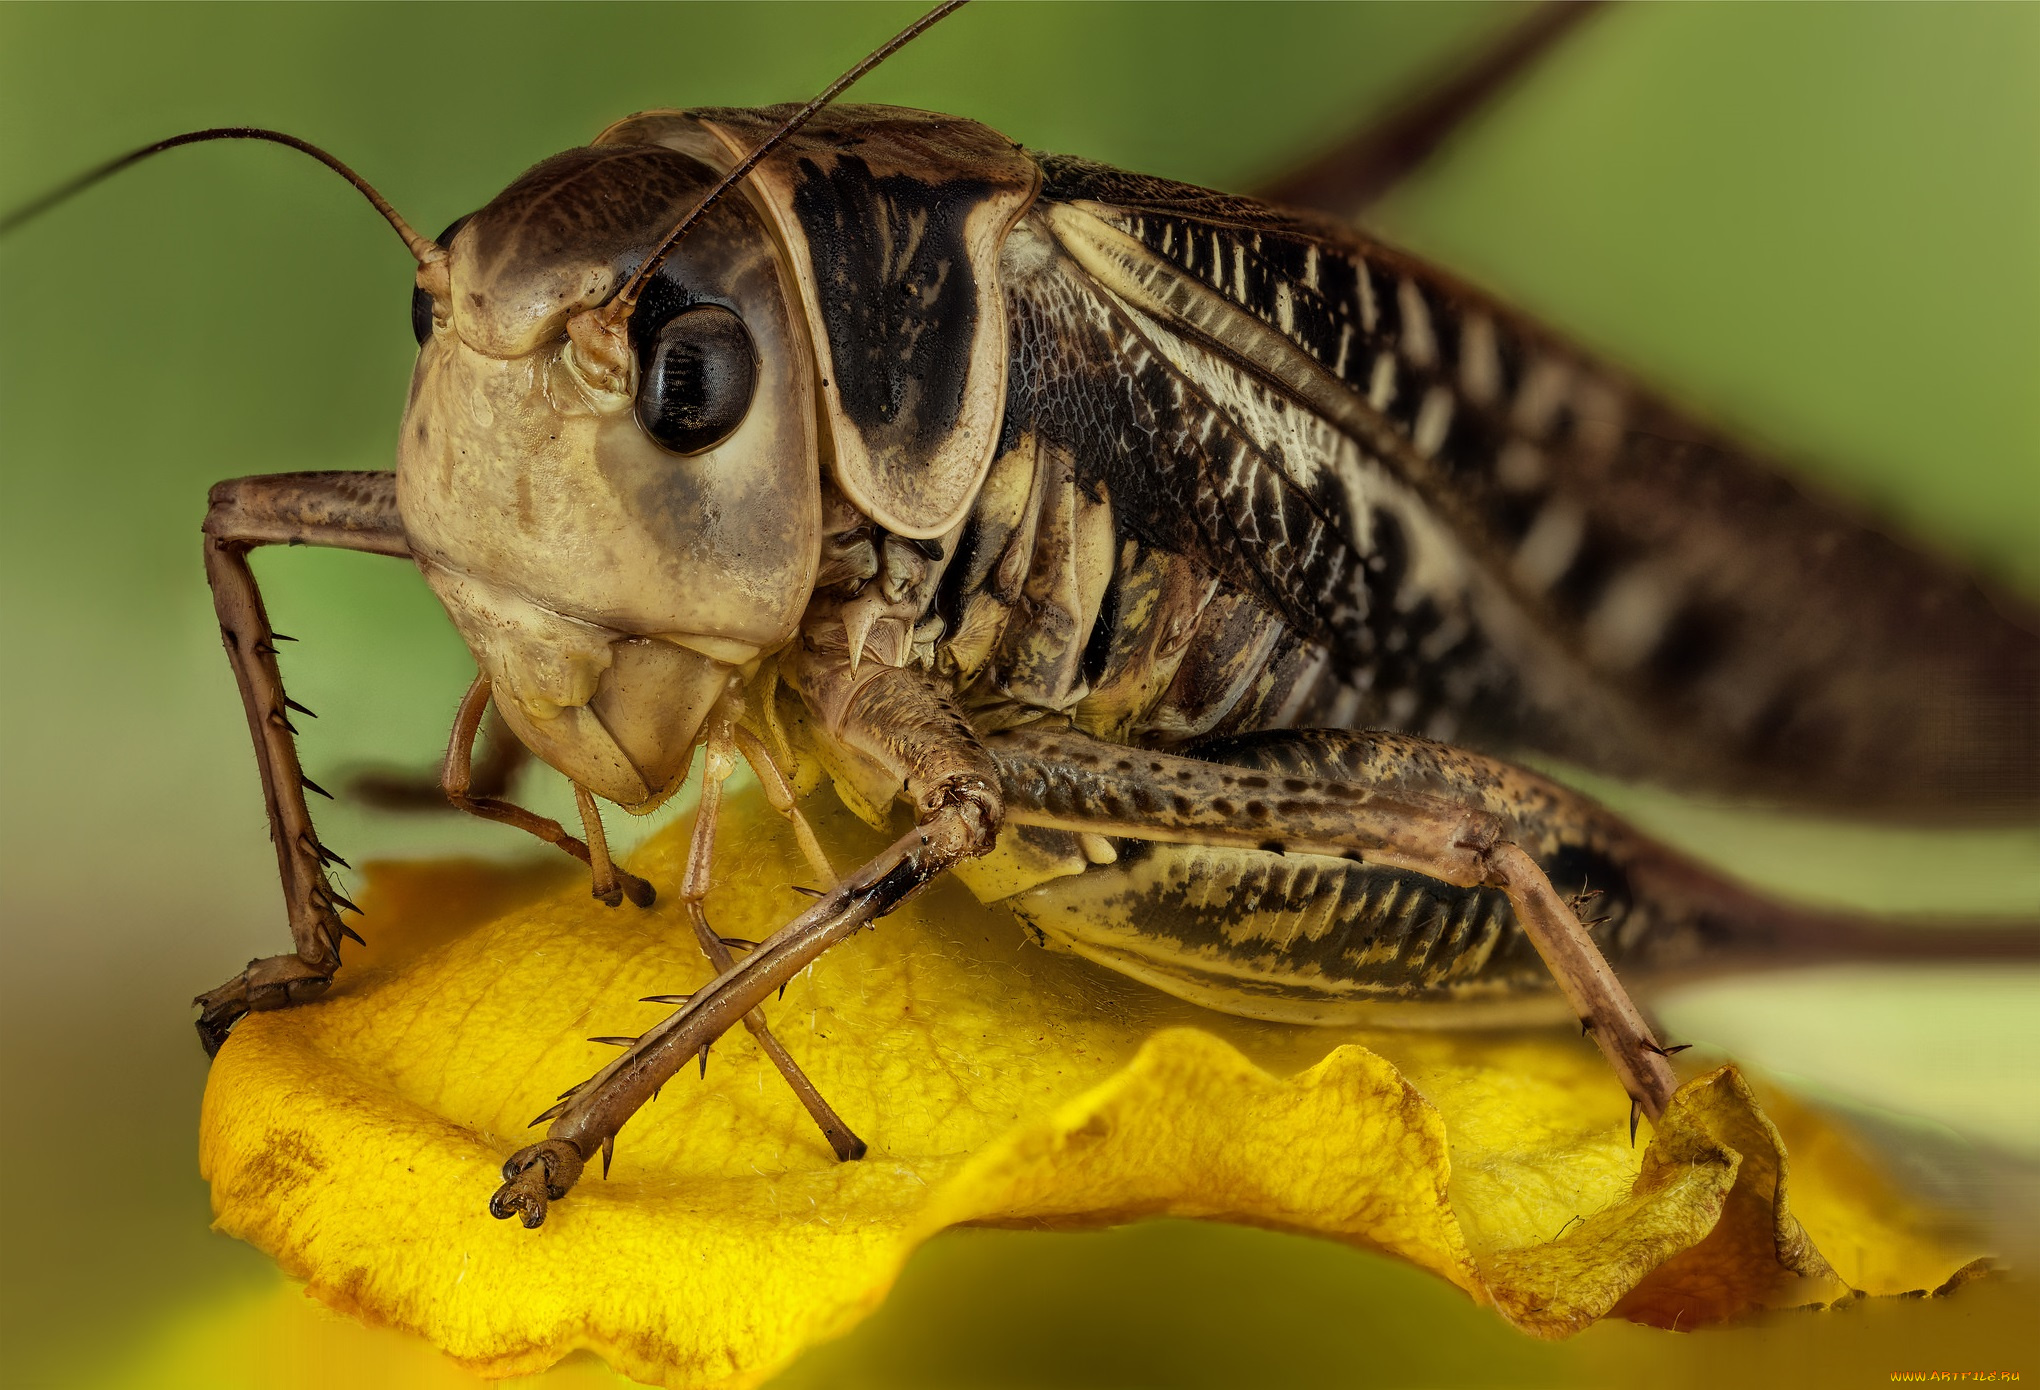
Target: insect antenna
423 249
619 311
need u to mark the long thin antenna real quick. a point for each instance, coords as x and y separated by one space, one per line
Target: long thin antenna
620 308
1348 179
422 248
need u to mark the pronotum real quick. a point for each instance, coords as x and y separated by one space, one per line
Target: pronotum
1395 289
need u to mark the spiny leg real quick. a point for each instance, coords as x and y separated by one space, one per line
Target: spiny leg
1069 781
945 774
610 882
1597 997
456 779
346 511
716 769
588 1118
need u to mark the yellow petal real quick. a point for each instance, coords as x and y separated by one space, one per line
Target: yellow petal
358 1139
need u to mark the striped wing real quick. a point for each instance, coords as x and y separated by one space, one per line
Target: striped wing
1494 538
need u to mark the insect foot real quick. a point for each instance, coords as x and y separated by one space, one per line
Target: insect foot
625 885
276 982
533 1176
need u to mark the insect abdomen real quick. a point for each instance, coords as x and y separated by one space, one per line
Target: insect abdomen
1294 937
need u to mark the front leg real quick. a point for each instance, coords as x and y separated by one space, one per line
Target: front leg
610 882
897 719
345 511
492 763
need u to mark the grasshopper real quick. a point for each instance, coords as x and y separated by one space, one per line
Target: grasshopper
1184 565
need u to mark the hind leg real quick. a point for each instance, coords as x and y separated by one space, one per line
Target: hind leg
1392 812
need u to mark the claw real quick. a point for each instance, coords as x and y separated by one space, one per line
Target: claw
275 983
213 1029
640 893
534 1176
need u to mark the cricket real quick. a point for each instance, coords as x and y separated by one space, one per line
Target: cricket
1187 572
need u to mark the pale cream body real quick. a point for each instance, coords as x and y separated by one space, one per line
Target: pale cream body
612 591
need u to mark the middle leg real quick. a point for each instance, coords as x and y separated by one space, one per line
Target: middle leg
612 882
917 734
717 766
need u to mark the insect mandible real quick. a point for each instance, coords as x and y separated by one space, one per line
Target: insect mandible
888 552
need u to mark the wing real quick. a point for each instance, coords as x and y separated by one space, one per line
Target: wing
1496 539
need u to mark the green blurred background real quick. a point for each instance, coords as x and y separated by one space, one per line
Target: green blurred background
1820 224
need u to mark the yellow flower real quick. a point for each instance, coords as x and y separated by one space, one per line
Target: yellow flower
357 1140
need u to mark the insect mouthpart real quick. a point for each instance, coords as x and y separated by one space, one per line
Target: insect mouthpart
634 740
619 713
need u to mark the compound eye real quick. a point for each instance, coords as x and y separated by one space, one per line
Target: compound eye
698 373
421 315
